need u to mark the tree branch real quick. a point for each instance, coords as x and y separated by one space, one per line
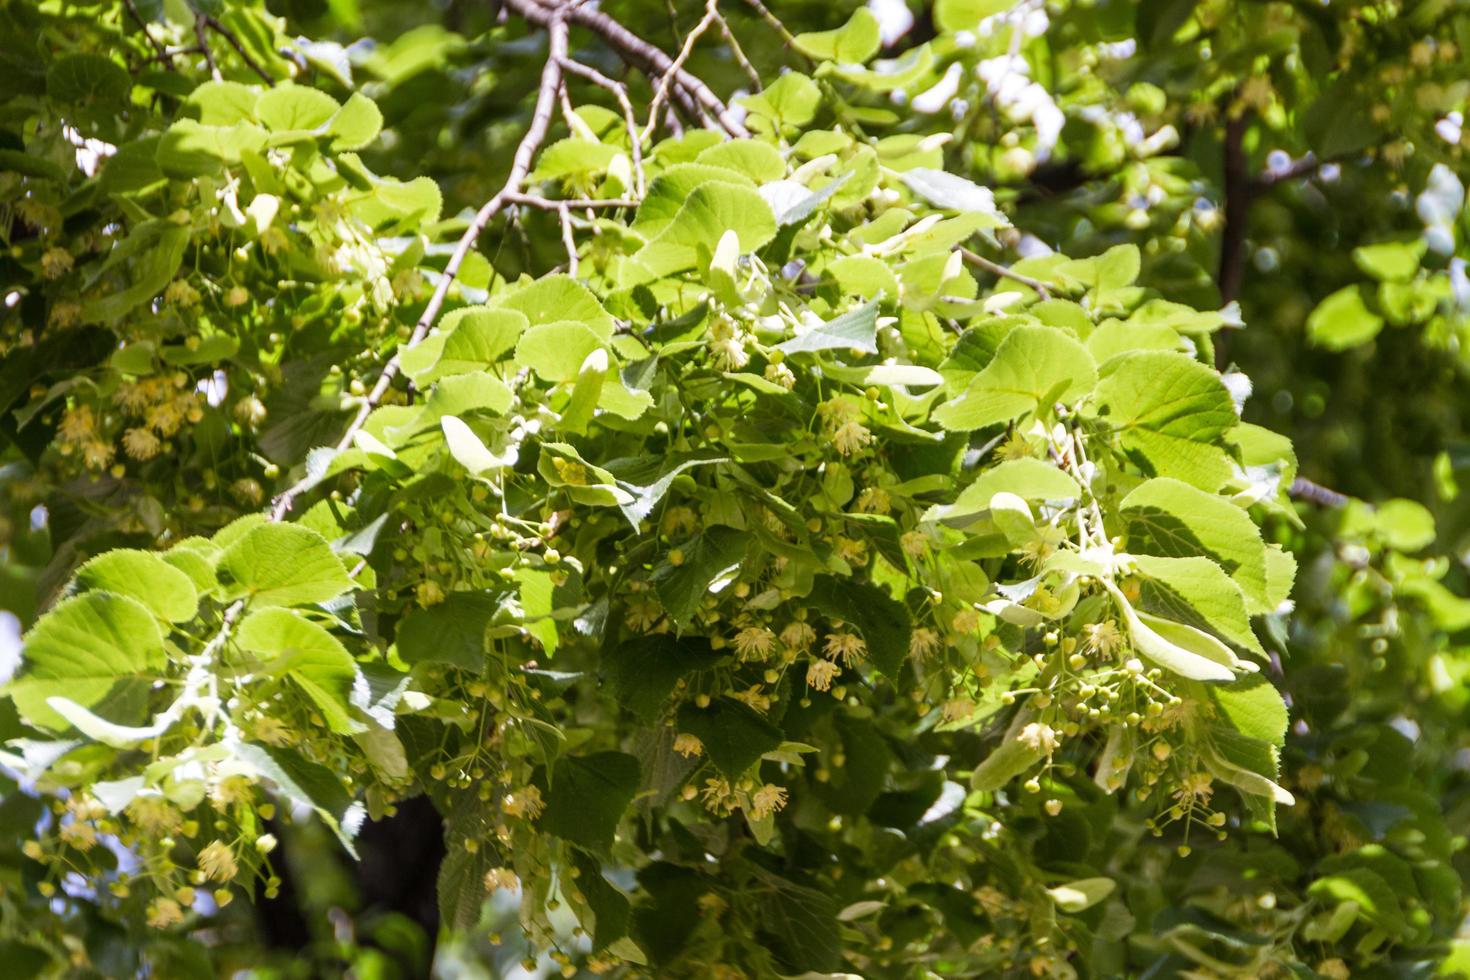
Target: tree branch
636 50
1315 493
1300 167
1237 193
546 98
155 43
620 92
675 68
552 204
996 269
234 42
199 34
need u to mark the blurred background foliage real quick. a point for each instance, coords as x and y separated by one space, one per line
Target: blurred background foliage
1303 161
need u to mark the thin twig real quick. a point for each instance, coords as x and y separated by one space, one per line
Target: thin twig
633 48
204 47
996 269
155 43
1300 167
234 42
1304 489
550 204
568 113
545 108
737 51
674 69
567 240
630 121
787 38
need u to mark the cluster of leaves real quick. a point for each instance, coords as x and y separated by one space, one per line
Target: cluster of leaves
752 589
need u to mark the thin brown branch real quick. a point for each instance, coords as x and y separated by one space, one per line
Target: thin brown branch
650 59
1303 166
630 121
203 39
546 97
1237 192
996 269
674 69
1315 493
158 46
234 42
774 22
551 204
733 43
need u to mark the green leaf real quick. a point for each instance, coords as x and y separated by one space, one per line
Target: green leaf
791 100
865 276
469 339
80 78
1197 591
1182 649
284 565
356 124
80 649
645 498
537 603
883 621
802 925
1081 895
469 451
1114 337
759 161
734 734
852 43
144 576
309 784
1008 759
460 394
573 156
966 15
611 910
1033 367
644 670
1280 575
460 886
1253 707
554 299
687 574
1404 525
314 658
555 351
1343 320
1029 479
856 329
1170 413
451 632
187 149
669 190
293 108
586 798
405 205
1391 261
163 253
1172 519
221 103
710 210
1374 898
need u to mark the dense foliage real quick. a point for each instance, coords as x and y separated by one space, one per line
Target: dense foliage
800 491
